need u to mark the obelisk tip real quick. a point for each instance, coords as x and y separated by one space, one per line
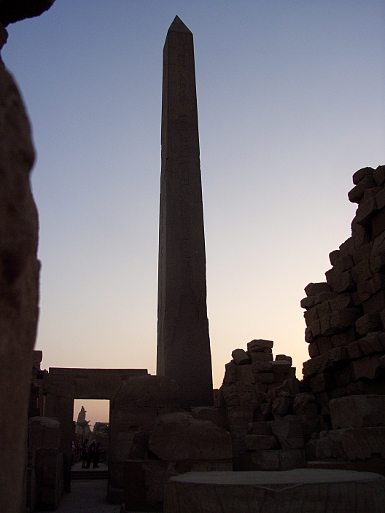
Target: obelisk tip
178 26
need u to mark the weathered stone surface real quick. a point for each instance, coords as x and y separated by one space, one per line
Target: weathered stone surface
357 411
324 491
178 437
19 285
183 352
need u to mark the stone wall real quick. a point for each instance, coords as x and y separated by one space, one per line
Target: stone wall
345 315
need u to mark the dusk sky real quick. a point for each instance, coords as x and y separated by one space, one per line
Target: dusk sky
291 102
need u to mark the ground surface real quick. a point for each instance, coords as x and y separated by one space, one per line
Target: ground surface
87 497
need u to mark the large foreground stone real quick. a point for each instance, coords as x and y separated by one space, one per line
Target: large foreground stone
300 490
19 287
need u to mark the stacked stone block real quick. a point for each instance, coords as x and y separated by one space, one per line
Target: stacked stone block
357 438
345 316
269 420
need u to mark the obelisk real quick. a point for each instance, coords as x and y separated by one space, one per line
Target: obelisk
183 351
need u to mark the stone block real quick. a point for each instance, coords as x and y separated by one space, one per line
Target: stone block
343 263
260 442
379 175
215 415
284 357
356 194
281 406
313 349
361 234
366 210
371 344
357 411
259 343
240 357
230 372
367 323
178 437
259 428
290 491
365 368
245 373
324 344
312 289
265 459
347 247
374 303
321 382
334 256
362 173
354 351
307 302
356 443
377 262
311 315
258 367
378 223
342 377
145 484
288 431
281 366
43 433
380 197
340 282
364 251
260 357
264 377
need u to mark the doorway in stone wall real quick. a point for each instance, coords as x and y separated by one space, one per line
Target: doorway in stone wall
90 442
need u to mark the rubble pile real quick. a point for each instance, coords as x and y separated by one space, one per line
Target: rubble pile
345 316
268 418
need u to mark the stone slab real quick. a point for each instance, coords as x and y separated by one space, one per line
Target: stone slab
306 490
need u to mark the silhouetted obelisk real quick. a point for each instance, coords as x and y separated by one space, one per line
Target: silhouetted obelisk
183 351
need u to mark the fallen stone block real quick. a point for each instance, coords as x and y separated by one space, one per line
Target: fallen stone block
240 357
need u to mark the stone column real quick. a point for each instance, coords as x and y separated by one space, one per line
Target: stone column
183 352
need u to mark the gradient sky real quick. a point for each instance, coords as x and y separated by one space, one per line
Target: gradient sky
291 102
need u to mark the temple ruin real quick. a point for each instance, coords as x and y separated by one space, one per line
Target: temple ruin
265 437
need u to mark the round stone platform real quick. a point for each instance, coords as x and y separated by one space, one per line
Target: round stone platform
292 491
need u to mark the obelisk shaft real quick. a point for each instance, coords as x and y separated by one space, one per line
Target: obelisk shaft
183 352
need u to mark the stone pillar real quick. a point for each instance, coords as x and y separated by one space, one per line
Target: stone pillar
183 352
62 409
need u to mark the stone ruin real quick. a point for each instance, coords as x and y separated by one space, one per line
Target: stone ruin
173 455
